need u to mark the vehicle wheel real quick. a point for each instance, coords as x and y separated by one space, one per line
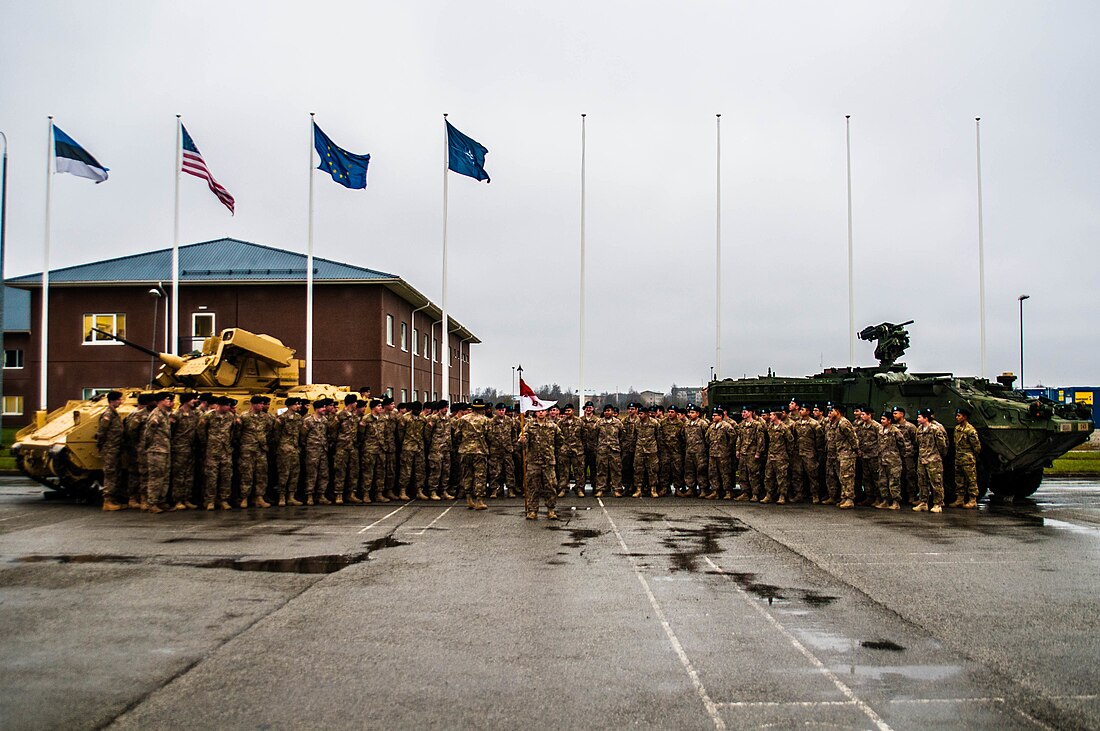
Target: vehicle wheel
1017 484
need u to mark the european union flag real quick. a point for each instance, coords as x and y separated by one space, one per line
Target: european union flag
466 155
346 168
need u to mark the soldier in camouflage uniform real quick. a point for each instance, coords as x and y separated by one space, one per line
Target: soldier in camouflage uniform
372 455
410 427
868 430
134 458
695 453
645 453
909 456
287 447
439 453
721 440
156 446
670 451
590 432
751 449
501 447
315 440
777 469
185 430
842 445
571 454
253 468
609 454
891 446
630 424
967 449
108 440
345 457
473 451
931 449
807 431
218 431
542 439
390 448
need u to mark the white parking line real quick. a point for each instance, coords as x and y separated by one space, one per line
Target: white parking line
708 704
16 515
393 512
784 704
424 530
848 693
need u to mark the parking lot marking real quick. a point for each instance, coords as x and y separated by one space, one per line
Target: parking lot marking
708 704
840 685
784 704
393 512
423 530
28 512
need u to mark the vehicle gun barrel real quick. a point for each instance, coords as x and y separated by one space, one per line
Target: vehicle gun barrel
172 361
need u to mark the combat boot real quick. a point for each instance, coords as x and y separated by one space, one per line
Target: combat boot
728 495
110 506
225 505
433 495
353 499
653 493
420 495
154 509
579 492
562 492
379 497
480 505
469 501
282 501
291 500
551 514
403 496
920 507
712 495
210 506
743 497
532 515
262 503
598 493
133 504
970 504
244 504
190 505
879 504
936 509
495 493
893 505
322 500
829 501
815 500
958 503
388 494
309 500
637 492
781 501
448 495
617 493
339 498
766 499
181 506
846 504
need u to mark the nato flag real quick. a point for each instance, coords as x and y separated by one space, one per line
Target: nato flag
466 155
346 168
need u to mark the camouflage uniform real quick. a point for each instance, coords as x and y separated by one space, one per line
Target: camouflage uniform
543 439
156 446
345 459
501 447
931 448
670 452
253 468
315 440
891 446
840 467
967 449
590 431
778 467
219 430
132 427
439 456
185 429
571 455
867 433
288 453
411 427
909 459
390 453
609 465
645 456
108 440
473 453
695 454
721 440
630 425
751 449
808 431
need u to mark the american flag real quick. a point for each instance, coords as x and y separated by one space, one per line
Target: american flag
193 164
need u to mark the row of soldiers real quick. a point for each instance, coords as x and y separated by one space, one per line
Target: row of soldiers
374 450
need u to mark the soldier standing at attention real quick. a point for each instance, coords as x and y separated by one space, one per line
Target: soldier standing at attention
695 453
630 425
541 437
315 443
842 470
288 457
185 429
909 455
645 453
390 448
967 449
751 447
500 451
807 430
439 453
720 437
108 440
132 427
253 457
931 448
778 468
156 446
891 446
609 454
670 452
473 451
868 430
219 428
590 431
411 428
571 455
345 458
372 456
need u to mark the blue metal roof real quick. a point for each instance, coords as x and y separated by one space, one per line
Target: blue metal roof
221 260
17 309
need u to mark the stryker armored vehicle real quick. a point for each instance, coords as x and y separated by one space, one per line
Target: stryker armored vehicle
1019 436
60 451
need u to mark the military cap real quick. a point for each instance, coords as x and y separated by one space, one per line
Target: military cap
207 397
441 403
360 404
319 403
165 395
796 402
114 395
589 403
416 407
925 413
964 411
143 398
749 407
718 410
673 410
290 401
886 415
567 406
185 397
256 400
839 408
350 399
501 405
374 402
692 407
231 401
779 410
477 405
387 400
899 409
364 388
267 400
457 406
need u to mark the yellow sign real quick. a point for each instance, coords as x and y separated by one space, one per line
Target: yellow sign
1083 397
1061 395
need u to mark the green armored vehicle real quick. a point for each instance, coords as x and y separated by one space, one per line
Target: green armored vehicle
60 451
1019 436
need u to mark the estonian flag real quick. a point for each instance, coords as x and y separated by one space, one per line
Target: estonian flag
74 159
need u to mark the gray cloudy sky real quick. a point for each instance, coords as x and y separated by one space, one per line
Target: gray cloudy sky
650 76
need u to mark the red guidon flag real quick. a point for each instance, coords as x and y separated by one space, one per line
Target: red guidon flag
528 401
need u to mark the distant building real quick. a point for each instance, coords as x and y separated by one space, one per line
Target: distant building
652 398
1066 394
683 395
370 328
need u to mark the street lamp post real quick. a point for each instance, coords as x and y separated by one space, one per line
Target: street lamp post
156 293
1021 298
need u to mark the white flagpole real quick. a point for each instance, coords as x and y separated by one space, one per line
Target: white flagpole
445 335
175 329
718 251
44 325
580 395
851 279
981 247
309 263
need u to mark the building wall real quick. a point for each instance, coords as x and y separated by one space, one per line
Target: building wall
349 337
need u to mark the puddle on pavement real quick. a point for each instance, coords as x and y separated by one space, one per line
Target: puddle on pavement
912 672
689 544
747 582
578 537
817 600
79 558
882 645
824 640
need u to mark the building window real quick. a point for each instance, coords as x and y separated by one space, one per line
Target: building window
405 337
416 341
426 351
389 330
13 406
93 392
389 392
404 394
202 327
435 348
13 358
114 323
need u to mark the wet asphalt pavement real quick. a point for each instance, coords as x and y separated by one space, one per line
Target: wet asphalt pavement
665 613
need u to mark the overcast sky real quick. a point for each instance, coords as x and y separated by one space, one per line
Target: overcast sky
651 76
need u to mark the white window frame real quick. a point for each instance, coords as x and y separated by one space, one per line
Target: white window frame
17 399
435 349
405 337
427 347
416 341
19 357
197 340
95 336
389 392
88 393
389 330
404 395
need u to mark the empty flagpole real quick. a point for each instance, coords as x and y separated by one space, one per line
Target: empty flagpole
43 326
175 330
445 336
580 395
851 280
309 262
981 247
718 251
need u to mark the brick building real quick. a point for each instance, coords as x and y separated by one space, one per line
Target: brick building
370 328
